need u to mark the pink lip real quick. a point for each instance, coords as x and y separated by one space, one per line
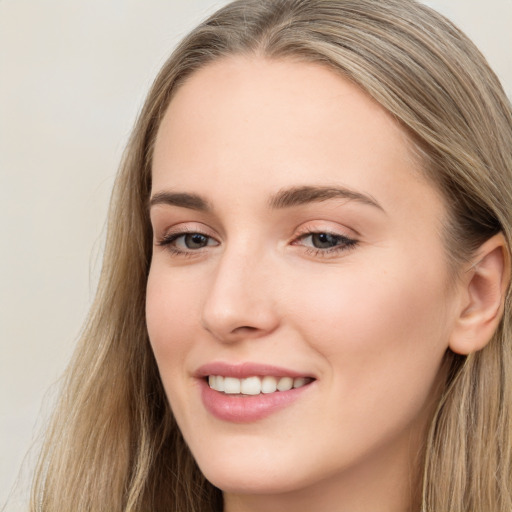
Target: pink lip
244 370
246 408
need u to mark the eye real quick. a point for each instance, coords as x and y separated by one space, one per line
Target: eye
323 243
192 240
324 240
187 242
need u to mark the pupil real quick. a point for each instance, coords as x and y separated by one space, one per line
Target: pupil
324 240
195 241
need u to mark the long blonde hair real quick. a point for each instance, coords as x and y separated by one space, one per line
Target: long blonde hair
113 444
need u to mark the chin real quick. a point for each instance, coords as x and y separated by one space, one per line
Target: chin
252 481
260 471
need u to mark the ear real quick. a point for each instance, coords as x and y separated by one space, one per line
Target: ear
484 285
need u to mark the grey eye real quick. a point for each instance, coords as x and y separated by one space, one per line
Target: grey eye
195 240
324 240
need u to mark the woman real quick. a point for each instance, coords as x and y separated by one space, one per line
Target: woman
304 300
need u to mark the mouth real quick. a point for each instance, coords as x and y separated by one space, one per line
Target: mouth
256 385
248 392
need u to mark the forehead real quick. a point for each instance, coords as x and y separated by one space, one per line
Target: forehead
275 123
260 96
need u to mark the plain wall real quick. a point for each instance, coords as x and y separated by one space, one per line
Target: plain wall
73 76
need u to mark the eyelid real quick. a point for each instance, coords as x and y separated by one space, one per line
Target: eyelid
347 242
167 239
334 234
185 228
332 228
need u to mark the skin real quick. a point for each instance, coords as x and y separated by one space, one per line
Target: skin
370 322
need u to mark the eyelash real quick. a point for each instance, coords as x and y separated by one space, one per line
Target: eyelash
168 240
344 243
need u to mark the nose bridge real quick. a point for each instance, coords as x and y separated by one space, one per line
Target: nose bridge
240 300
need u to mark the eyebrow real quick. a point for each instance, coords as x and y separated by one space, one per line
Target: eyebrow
286 198
312 194
182 199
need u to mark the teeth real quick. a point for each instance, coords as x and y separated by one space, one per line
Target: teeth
255 385
231 386
250 386
219 383
301 381
285 384
268 384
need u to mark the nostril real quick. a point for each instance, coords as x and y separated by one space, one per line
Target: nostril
237 319
245 328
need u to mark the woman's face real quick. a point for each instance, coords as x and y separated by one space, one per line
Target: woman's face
294 239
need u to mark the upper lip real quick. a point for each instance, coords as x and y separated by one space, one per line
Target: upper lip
247 369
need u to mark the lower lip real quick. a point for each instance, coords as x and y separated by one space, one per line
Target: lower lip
247 408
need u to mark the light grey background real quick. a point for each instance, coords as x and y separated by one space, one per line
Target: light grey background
73 75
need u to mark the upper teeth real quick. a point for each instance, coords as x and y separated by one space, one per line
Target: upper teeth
255 385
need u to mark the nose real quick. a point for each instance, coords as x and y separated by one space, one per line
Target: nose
241 303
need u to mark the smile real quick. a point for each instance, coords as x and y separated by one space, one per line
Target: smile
249 391
255 385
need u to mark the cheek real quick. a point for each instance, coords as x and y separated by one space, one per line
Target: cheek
169 314
383 331
374 299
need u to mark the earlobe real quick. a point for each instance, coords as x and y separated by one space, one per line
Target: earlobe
484 287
